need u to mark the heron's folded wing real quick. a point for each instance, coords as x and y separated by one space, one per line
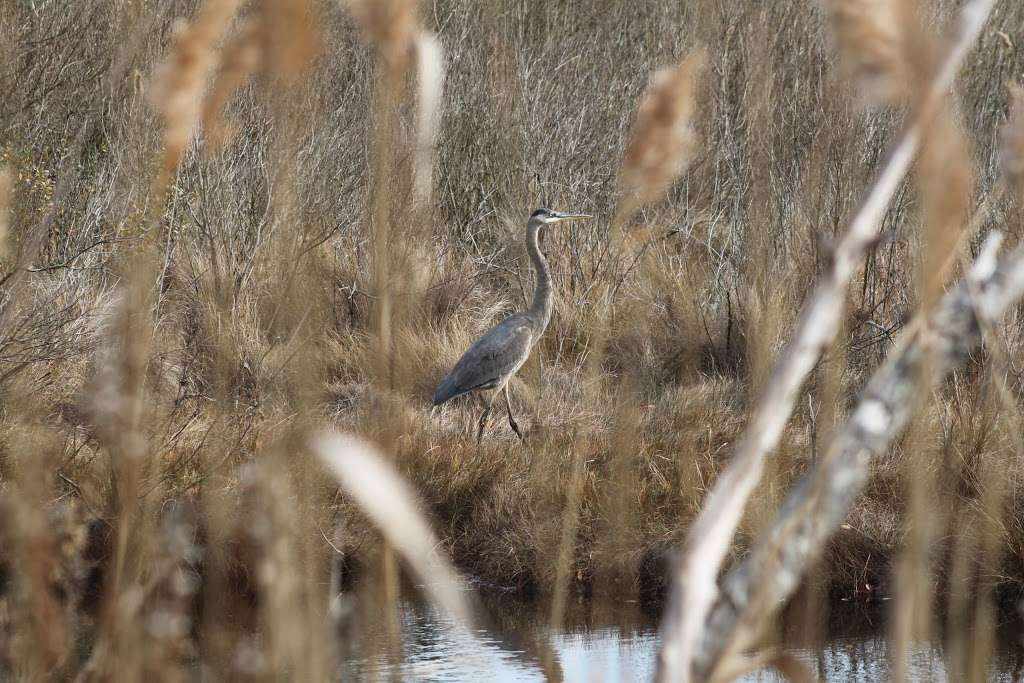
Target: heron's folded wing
496 355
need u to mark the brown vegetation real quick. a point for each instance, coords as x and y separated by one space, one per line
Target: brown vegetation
211 250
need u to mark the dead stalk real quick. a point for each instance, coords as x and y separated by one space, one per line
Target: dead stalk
430 86
945 186
1011 138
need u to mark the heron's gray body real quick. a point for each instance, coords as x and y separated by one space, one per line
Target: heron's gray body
493 359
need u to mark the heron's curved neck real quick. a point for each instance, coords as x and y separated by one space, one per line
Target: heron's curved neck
543 298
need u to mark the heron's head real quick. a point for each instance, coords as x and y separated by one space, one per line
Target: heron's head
542 218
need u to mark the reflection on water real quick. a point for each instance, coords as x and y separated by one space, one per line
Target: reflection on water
612 646
616 644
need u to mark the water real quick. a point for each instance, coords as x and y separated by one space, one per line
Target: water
619 644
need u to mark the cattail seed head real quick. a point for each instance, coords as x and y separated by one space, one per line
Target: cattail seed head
662 139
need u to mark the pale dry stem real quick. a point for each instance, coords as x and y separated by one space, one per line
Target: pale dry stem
1011 138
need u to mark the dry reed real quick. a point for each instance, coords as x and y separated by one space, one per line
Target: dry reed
43 641
756 587
302 276
241 59
388 24
944 173
981 532
292 36
944 178
430 88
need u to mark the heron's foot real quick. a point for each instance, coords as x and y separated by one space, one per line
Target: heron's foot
515 428
483 423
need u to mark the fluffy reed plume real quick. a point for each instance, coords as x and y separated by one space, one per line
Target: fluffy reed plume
6 199
430 79
871 39
293 37
389 24
1011 149
389 502
242 57
47 541
174 581
662 140
119 411
180 80
269 527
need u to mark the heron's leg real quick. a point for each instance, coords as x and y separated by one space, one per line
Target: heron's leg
512 420
483 419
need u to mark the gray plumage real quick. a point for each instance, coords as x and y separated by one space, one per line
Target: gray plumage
495 357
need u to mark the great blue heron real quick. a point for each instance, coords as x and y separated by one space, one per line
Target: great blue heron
494 358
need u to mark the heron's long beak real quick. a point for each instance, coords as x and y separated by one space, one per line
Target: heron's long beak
557 217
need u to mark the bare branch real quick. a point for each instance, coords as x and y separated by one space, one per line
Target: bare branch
708 541
818 504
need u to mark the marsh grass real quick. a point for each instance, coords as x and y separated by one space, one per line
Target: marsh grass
227 226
